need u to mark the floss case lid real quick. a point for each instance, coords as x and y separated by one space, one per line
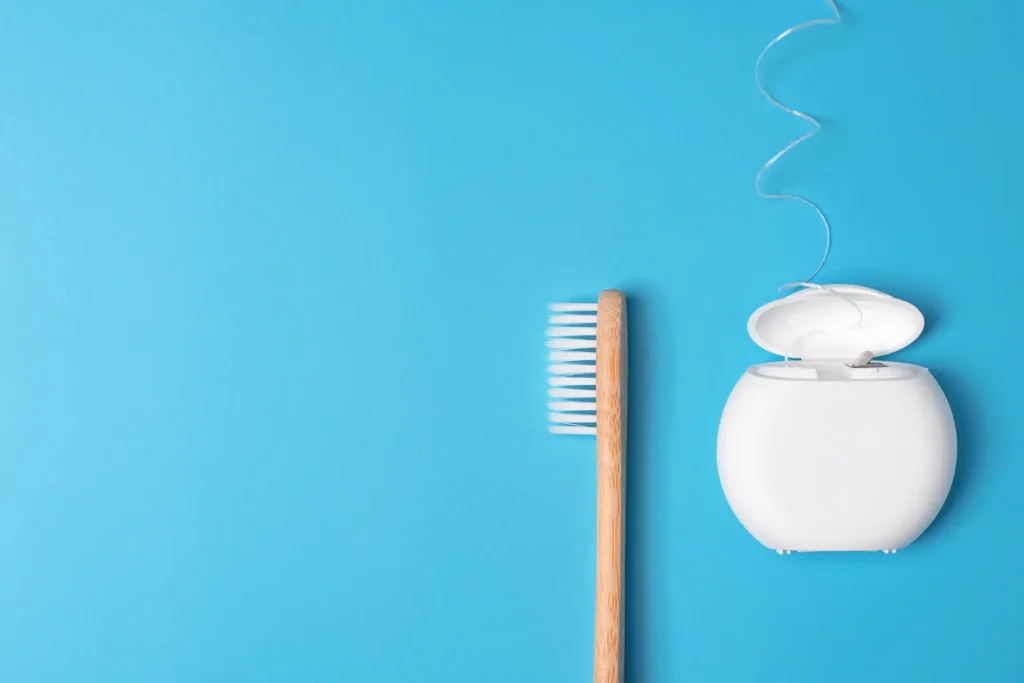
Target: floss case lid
836 322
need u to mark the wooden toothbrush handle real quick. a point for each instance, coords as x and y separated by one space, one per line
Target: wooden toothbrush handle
611 442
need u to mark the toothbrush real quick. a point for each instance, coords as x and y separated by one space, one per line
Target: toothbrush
587 392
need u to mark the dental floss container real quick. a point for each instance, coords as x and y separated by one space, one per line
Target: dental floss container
831 449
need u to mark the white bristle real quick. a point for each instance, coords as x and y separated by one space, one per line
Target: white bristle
572 393
572 339
573 319
567 429
571 406
572 418
570 356
562 343
580 331
572 369
572 381
573 307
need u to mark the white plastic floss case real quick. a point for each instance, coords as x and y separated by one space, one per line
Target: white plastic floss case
819 452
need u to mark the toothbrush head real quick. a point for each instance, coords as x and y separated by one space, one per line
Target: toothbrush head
572 374
587 346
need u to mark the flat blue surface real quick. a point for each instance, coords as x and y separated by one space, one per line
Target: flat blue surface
272 295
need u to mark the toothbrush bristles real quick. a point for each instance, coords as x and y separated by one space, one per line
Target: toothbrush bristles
572 340
561 308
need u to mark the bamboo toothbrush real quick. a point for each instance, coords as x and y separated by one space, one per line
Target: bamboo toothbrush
587 391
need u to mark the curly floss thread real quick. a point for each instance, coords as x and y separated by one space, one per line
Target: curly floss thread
834 19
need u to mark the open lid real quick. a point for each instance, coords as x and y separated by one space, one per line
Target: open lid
835 322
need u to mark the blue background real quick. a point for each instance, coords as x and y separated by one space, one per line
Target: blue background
272 295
